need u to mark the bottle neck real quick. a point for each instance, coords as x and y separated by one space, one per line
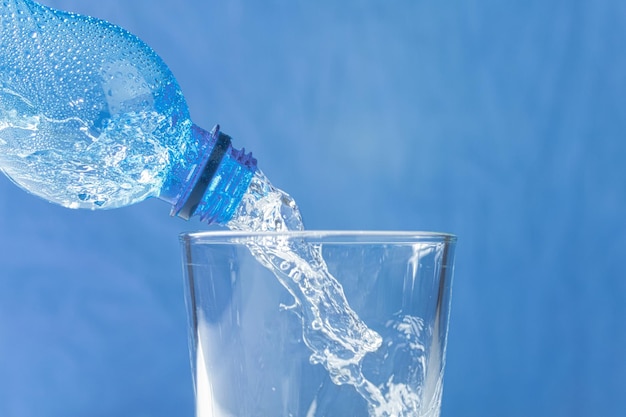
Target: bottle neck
212 187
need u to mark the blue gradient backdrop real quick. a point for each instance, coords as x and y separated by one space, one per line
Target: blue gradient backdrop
502 122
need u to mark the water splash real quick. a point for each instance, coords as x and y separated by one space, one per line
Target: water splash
338 339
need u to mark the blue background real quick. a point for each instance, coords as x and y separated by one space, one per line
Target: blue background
502 122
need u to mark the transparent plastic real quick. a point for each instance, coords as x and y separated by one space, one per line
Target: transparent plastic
91 117
250 339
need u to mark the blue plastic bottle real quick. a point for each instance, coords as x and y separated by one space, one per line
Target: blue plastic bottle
91 117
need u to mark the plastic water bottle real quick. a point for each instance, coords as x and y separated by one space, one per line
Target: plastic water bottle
91 117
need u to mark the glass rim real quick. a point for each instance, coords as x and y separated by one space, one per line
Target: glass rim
328 236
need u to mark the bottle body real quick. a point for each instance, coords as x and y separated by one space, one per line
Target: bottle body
91 117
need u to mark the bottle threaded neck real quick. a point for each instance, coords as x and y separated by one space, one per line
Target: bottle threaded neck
219 181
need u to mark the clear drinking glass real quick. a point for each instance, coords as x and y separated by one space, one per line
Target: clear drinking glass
248 350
